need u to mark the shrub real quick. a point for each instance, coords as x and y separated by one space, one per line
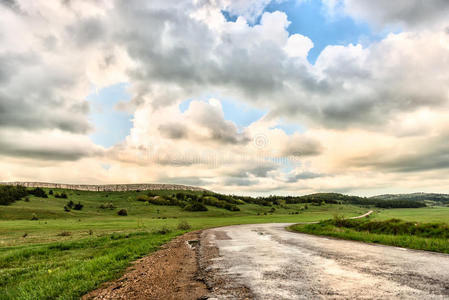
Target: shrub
27 199
50 192
64 233
70 204
78 206
195 206
107 206
34 217
38 192
183 225
122 212
10 194
164 230
62 195
66 208
143 198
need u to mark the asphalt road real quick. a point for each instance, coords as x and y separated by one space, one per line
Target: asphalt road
276 264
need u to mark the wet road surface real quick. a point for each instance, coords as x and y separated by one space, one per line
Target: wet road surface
276 264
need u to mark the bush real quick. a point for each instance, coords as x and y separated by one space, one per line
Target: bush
143 198
183 225
66 208
62 195
78 206
195 206
164 230
64 233
122 212
38 192
107 206
34 217
50 192
10 194
70 204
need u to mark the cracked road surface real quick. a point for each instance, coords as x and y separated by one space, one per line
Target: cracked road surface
276 264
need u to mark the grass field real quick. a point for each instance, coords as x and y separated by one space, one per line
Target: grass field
426 214
66 254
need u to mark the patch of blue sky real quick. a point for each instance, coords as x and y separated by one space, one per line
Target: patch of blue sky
240 113
111 125
289 128
311 18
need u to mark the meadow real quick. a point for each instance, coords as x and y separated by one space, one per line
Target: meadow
65 254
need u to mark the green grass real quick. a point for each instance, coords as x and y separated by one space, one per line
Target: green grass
36 262
394 232
427 214
67 270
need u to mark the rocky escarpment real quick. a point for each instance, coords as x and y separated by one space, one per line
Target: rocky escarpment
106 187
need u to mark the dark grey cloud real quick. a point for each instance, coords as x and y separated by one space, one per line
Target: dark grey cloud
173 131
304 176
238 181
259 170
11 4
262 170
210 119
411 13
33 94
426 154
298 146
20 113
45 150
87 31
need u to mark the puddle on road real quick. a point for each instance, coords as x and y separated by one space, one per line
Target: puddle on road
193 243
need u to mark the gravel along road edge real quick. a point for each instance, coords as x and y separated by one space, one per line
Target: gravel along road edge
170 273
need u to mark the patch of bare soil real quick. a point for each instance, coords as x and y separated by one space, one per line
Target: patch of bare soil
170 273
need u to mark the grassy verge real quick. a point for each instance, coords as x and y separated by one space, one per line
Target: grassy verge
394 232
67 270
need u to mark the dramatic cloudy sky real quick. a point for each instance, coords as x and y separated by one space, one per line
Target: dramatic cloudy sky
239 96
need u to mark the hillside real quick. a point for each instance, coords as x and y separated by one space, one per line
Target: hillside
423 197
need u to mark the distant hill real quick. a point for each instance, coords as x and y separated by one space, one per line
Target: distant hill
443 198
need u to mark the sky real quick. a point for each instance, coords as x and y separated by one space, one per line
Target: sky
251 97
